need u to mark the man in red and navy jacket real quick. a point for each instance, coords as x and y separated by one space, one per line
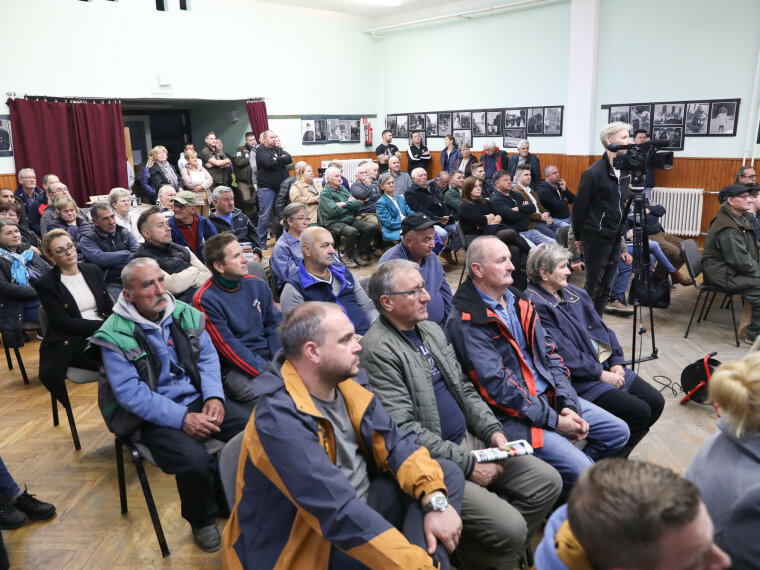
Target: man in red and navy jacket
241 317
493 159
511 360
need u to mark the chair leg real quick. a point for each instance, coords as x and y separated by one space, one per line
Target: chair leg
55 409
120 475
733 319
461 275
137 460
704 306
710 306
21 366
8 356
73 426
693 312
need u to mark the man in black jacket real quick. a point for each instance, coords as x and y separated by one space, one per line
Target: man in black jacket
271 164
515 210
227 218
597 214
555 196
244 171
422 199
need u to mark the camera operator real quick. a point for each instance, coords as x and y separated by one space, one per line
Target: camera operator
597 213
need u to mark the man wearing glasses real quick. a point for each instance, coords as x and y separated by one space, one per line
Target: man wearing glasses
27 189
731 257
414 372
746 176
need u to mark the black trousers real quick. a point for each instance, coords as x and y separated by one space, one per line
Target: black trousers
405 513
195 469
599 271
640 408
4 564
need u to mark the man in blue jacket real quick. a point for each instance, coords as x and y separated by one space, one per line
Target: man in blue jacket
227 218
172 399
188 228
502 347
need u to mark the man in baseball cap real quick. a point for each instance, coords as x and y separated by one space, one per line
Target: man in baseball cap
188 228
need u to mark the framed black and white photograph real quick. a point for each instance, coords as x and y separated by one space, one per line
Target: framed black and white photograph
553 121
515 118
308 134
333 130
494 121
356 130
723 117
431 124
641 118
416 122
512 137
390 124
462 120
423 137
444 124
320 130
536 121
673 135
463 135
620 113
402 129
697 118
478 123
669 114
6 139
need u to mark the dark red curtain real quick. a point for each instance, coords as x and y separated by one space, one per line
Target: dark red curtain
83 143
257 114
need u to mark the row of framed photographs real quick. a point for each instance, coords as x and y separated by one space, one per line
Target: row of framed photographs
673 121
322 129
534 121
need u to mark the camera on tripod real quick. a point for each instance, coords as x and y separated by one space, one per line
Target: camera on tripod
641 157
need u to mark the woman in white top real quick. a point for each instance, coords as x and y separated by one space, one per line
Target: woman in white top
126 216
76 303
197 179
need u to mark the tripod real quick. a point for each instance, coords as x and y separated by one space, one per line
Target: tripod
641 275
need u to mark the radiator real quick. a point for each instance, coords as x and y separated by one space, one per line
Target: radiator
349 167
683 209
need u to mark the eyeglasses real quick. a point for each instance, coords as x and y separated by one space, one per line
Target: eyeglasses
416 292
65 249
300 218
748 176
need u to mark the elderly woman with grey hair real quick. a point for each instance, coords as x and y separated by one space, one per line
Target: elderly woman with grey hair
287 255
126 216
589 348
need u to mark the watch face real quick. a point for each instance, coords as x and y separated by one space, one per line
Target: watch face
440 503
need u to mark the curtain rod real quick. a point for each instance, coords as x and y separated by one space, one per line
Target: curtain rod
70 99
256 99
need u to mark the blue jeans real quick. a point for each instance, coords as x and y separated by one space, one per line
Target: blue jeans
624 271
606 435
266 201
8 487
535 237
559 222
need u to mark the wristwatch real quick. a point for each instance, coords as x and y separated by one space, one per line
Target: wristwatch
437 503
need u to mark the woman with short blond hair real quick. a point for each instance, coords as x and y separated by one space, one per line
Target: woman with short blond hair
197 179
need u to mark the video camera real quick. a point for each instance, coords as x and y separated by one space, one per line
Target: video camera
641 157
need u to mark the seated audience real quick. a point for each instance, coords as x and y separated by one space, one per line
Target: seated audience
524 156
286 255
321 434
391 209
17 507
320 278
453 194
175 400
20 267
184 273
493 159
166 195
731 256
188 228
423 200
227 218
465 161
543 221
10 211
417 155
487 187
417 245
440 183
515 210
339 214
335 163
449 154
367 192
726 467
162 171
40 204
27 192
241 317
55 190
401 178
374 170
510 358
196 178
8 197
555 196
305 190
589 349
76 302
630 515
126 216
68 217
108 246
503 504
283 196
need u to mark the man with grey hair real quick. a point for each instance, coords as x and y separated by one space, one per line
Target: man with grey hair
414 372
108 245
339 214
55 190
367 192
493 159
165 200
28 191
524 156
598 213
423 200
402 179
172 400
227 218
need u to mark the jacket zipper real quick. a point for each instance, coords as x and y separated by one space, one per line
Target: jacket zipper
601 220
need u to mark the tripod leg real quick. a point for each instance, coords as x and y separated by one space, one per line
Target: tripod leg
733 319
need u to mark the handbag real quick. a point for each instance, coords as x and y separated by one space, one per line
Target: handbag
651 292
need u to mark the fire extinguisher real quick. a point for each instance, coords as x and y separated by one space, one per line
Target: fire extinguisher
368 134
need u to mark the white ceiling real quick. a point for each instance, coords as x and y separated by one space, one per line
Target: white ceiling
366 8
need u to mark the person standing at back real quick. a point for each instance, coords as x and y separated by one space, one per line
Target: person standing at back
271 162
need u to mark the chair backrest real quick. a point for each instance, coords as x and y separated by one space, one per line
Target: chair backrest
228 466
462 237
692 257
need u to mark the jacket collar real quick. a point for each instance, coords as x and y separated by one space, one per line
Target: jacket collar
408 255
569 550
566 296
749 442
473 308
308 280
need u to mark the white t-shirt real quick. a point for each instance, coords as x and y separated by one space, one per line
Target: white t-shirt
84 298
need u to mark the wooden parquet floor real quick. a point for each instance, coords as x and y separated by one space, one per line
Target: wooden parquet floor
89 531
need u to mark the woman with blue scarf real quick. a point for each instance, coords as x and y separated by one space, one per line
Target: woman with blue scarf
20 266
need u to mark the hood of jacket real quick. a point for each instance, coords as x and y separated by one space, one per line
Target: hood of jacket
125 309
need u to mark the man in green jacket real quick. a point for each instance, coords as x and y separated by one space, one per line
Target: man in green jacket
339 210
731 257
453 194
414 372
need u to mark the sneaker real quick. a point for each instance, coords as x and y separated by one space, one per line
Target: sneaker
359 261
446 256
33 507
207 538
618 307
749 339
10 516
348 262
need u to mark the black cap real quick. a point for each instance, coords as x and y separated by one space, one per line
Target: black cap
736 190
416 222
